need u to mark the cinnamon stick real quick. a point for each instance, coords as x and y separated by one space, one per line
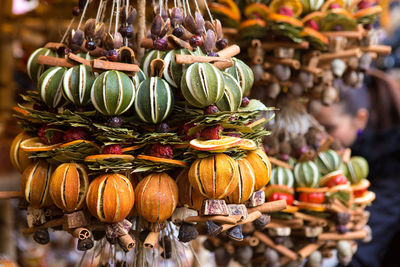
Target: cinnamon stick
355 52
250 218
151 239
269 207
223 65
280 248
54 46
189 59
310 218
217 218
55 61
251 241
229 31
78 59
108 65
293 63
127 242
311 59
346 34
49 224
11 194
326 144
273 45
292 223
81 233
347 236
309 249
148 44
316 71
379 49
229 51
179 42
280 163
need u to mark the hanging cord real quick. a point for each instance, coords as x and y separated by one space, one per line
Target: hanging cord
111 16
182 3
117 17
126 18
188 7
160 6
83 13
99 11
208 11
103 13
67 31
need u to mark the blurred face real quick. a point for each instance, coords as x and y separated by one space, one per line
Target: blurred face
340 125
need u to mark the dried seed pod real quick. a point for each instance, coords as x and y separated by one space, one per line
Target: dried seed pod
35 182
313 136
244 255
209 42
365 61
90 28
218 29
107 41
118 40
271 255
187 195
176 16
273 90
296 89
298 143
165 28
131 16
187 232
327 77
164 14
261 222
329 95
306 79
41 236
68 186
338 67
156 27
190 23
156 197
76 39
222 257
212 228
199 23
353 63
282 72
314 106
98 33
235 233
110 197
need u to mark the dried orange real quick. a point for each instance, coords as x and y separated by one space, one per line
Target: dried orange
34 144
162 160
295 5
215 145
247 144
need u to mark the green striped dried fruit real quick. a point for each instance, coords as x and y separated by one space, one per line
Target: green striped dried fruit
34 69
50 86
154 100
307 174
328 161
138 78
282 176
202 84
356 169
243 74
173 71
232 98
77 84
148 58
112 93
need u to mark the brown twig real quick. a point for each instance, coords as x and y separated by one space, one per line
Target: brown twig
189 59
55 61
355 52
280 163
11 194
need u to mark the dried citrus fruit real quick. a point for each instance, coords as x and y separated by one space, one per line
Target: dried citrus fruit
35 145
295 5
215 144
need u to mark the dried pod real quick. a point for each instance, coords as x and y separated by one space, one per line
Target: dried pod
98 33
353 63
338 67
90 28
199 20
190 23
76 39
282 72
261 222
298 143
41 236
156 27
313 136
68 186
235 233
85 244
273 90
212 228
271 255
35 182
218 29
315 259
351 78
118 40
306 79
314 106
176 16
156 197
297 89
329 96
209 42
187 232
365 61
327 77
164 14
108 41
131 16
244 255
102 205
222 257
165 28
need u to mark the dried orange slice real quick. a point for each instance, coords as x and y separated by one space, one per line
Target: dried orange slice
257 11
247 144
295 5
290 209
76 142
94 158
162 160
131 148
328 3
34 144
20 110
365 199
215 144
256 123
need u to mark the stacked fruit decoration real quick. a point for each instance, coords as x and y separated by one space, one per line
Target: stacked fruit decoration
110 151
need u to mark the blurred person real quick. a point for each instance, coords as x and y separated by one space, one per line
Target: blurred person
368 121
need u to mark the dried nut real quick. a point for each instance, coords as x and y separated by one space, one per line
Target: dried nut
118 40
353 63
365 61
351 78
306 79
338 67
329 96
244 255
282 72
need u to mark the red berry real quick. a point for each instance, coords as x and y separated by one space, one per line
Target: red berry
212 132
334 5
301 151
314 197
245 101
337 180
90 45
112 55
233 134
278 196
284 157
160 44
195 41
185 130
364 4
221 44
178 32
359 193
75 133
313 24
112 149
287 11
211 110
50 135
161 151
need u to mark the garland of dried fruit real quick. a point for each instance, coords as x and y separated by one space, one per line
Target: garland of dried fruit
299 52
116 154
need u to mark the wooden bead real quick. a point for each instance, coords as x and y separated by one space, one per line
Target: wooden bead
110 197
68 186
215 177
156 197
35 182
